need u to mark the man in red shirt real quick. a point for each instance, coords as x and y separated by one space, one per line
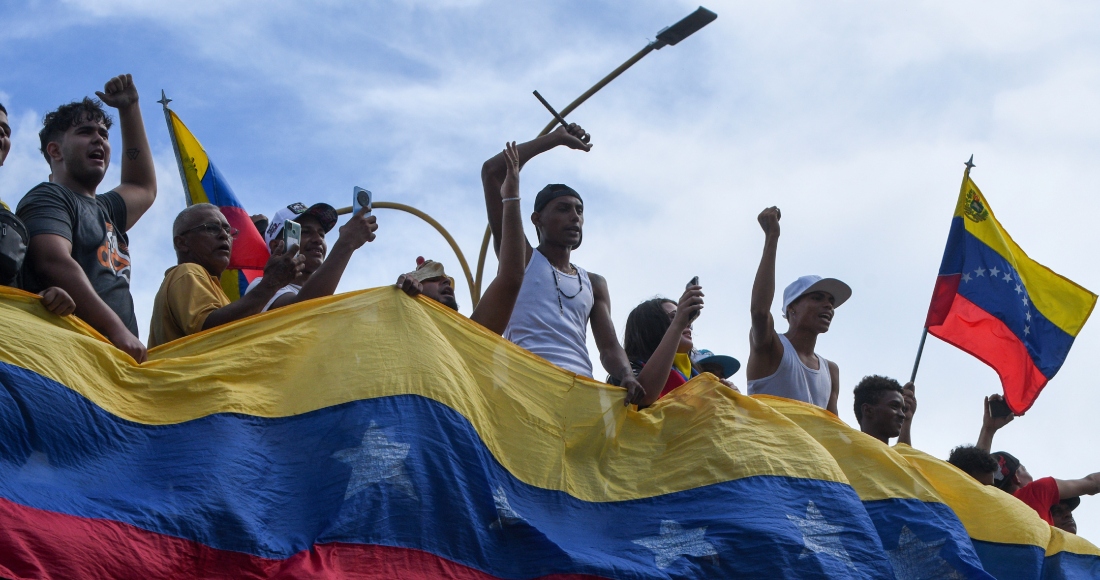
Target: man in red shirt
1040 494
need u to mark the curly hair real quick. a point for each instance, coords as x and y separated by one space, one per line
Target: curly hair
972 460
870 391
67 116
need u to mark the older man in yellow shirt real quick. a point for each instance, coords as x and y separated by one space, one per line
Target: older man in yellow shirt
191 298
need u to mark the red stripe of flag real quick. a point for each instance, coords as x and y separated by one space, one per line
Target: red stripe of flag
43 544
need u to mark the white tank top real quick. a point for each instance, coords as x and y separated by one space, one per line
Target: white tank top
551 320
795 380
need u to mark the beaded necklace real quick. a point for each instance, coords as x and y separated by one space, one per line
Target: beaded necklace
557 286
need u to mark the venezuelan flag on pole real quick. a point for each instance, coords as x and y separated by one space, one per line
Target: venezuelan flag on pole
429 447
203 183
996 303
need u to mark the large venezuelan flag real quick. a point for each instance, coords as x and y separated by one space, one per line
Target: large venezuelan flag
423 446
205 184
999 305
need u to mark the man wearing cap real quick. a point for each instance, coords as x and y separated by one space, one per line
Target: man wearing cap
319 276
558 300
785 365
494 310
1040 494
190 298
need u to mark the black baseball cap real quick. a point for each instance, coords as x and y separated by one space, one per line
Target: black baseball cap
552 192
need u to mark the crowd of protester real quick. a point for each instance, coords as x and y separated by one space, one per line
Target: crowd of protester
69 244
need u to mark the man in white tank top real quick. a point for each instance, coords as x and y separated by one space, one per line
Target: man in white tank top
786 365
558 300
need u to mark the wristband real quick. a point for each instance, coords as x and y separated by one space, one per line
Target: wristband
509 199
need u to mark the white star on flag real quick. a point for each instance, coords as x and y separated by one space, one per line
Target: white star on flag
917 560
675 542
819 536
1008 277
1025 300
1027 330
993 272
376 460
980 271
506 516
966 277
1028 315
1019 289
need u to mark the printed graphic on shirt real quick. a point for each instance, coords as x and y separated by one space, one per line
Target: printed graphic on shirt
114 254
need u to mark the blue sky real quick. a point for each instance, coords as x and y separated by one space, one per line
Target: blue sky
854 118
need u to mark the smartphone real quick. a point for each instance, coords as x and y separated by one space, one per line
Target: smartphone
694 282
360 198
292 234
999 408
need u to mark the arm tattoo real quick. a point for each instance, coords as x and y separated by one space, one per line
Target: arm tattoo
133 153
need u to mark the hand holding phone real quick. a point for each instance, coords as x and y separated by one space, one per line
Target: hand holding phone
694 282
361 198
999 408
292 234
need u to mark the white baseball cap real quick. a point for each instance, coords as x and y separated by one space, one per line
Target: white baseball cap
840 291
325 213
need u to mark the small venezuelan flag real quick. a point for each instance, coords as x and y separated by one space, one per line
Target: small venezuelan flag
999 305
205 184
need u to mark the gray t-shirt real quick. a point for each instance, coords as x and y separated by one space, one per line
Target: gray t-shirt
97 230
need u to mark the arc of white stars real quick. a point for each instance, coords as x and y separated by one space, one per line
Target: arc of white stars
819 536
376 460
675 542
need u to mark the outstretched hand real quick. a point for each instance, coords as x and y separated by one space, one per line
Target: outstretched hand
769 221
573 137
510 187
283 267
409 285
119 92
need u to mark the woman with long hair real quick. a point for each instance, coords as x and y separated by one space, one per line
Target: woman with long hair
658 342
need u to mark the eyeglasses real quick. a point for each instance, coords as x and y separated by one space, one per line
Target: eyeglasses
214 228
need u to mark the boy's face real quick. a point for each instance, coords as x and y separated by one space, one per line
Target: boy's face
85 151
5 137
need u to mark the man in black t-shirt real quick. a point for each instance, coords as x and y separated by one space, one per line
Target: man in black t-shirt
77 238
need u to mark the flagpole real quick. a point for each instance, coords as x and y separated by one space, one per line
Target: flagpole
924 334
164 100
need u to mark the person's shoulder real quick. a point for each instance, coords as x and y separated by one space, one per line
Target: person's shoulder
186 269
45 190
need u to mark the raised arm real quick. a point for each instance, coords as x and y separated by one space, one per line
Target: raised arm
51 257
496 305
280 270
765 350
139 180
612 356
990 425
1088 485
323 282
495 170
655 373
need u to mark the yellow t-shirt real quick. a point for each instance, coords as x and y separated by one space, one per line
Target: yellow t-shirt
186 297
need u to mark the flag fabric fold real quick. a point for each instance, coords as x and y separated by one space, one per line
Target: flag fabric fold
205 184
420 445
994 302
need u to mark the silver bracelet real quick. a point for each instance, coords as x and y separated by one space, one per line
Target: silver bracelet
509 199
